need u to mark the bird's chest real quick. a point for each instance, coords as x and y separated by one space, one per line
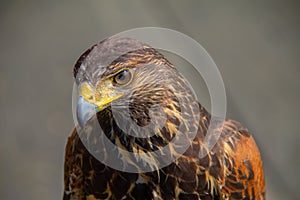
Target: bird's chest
168 183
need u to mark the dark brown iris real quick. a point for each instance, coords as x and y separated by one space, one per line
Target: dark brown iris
123 77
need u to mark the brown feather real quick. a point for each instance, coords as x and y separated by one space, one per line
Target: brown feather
231 170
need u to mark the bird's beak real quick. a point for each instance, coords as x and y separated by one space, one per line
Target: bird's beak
85 111
90 102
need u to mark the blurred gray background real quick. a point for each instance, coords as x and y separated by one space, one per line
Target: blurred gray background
254 43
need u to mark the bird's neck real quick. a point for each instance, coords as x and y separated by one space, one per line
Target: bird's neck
141 134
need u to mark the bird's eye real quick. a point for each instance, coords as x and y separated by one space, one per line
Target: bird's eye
123 77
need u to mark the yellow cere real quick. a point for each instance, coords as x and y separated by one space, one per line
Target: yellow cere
101 96
86 92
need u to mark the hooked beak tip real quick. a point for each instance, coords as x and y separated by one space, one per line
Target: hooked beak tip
85 111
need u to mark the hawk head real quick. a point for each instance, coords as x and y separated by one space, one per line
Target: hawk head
139 85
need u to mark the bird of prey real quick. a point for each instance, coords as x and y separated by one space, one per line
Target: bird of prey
120 73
